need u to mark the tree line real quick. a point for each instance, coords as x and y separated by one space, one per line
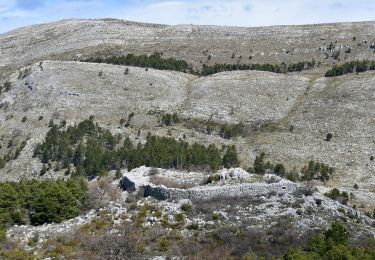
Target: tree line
93 151
153 61
282 68
156 61
351 67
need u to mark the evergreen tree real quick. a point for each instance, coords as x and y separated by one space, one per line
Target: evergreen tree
230 158
259 167
279 169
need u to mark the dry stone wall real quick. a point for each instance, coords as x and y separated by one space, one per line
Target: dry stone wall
225 191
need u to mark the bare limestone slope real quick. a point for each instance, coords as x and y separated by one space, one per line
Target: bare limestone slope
344 107
196 44
249 97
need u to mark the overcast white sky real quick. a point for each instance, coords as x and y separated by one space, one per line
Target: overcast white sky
17 13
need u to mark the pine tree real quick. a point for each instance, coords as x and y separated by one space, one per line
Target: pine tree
259 167
230 158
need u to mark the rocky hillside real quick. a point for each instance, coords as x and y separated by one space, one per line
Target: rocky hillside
303 123
72 39
289 116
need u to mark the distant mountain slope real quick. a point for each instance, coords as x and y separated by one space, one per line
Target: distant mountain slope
195 44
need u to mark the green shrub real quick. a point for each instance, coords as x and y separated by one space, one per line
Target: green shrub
153 171
186 207
16 254
170 119
3 235
164 243
279 169
193 226
213 178
157 214
216 216
341 197
337 234
259 165
179 217
230 158
118 174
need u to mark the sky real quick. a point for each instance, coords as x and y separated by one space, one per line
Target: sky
18 13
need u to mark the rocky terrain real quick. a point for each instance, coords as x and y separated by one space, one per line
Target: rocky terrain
69 38
268 103
291 117
239 199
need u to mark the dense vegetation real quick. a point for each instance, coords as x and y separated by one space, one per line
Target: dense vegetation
93 151
153 61
86 145
351 67
209 70
38 202
312 171
282 68
156 61
333 244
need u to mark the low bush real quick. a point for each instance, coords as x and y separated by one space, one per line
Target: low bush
186 207
170 119
153 171
213 178
341 197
